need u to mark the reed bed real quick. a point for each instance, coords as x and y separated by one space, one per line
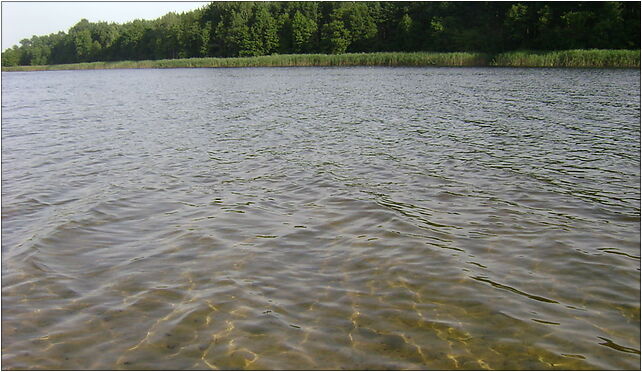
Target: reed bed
286 60
568 58
578 58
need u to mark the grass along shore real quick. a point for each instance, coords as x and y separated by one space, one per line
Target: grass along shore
592 58
578 58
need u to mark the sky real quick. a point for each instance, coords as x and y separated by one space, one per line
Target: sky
22 19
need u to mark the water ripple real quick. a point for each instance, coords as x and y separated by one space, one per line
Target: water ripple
321 218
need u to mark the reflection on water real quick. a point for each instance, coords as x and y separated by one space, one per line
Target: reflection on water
321 218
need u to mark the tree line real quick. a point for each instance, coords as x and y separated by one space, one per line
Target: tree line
233 29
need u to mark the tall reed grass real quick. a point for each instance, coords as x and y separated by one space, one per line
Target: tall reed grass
568 58
286 60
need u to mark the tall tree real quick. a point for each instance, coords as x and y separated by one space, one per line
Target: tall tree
230 29
336 37
233 30
264 37
304 32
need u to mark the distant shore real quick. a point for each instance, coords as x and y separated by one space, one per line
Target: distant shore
592 58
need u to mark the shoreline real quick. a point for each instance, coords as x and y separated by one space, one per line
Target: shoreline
579 58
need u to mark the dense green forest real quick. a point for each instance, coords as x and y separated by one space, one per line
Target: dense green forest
245 29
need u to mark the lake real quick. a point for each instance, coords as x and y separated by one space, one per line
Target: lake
321 218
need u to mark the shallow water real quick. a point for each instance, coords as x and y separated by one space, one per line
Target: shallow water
321 218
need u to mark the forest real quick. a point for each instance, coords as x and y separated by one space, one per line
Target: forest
248 29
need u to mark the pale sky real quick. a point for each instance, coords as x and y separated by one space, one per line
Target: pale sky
22 20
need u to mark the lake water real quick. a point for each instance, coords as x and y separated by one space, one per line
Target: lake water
321 218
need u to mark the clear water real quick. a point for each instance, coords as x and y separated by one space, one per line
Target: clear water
321 218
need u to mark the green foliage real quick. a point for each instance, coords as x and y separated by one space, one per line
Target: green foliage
233 29
304 31
336 37
11 57
234 33
359 23
408 30
264 37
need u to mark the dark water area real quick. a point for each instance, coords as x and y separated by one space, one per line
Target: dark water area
321 218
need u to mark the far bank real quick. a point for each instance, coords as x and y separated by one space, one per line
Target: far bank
591 58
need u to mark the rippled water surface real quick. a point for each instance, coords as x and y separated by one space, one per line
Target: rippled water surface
321 218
